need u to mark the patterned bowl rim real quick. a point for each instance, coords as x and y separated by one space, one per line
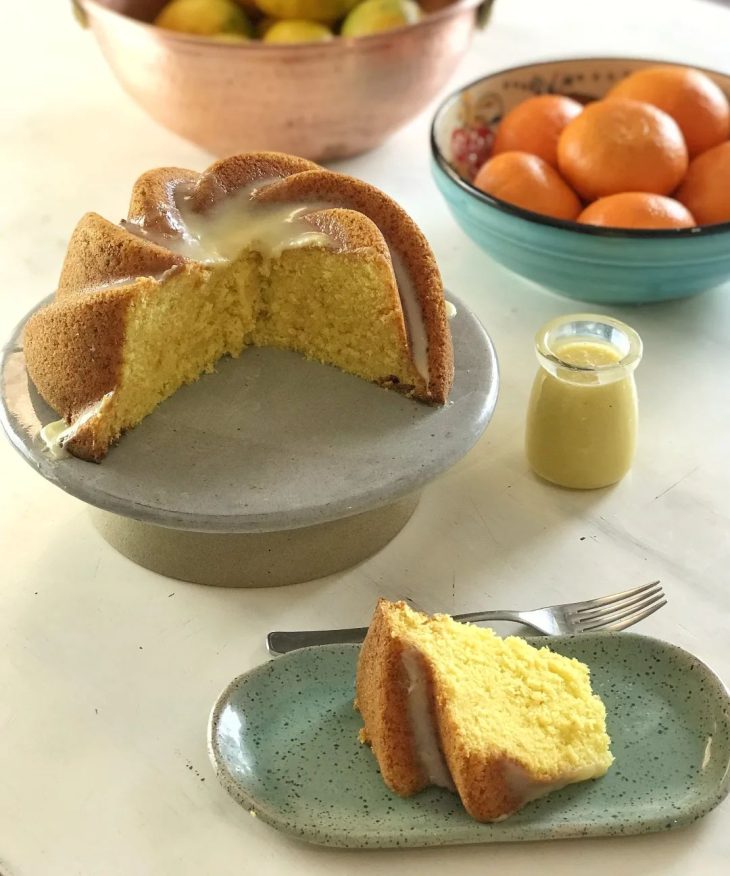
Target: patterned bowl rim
539 218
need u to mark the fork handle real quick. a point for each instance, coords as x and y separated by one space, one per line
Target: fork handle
279 642
282 642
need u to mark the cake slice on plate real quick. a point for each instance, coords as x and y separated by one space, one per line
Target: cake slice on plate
497 720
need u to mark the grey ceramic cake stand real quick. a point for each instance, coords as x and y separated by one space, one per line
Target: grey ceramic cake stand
270 471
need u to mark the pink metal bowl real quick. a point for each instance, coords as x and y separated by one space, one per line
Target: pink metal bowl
318 100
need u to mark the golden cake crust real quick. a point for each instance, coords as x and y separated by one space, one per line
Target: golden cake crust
101 254
74 354
381 698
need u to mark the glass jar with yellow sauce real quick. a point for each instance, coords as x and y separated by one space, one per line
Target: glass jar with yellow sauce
582 417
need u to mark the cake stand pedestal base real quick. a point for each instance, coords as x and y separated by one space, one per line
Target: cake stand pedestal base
274 470
256 559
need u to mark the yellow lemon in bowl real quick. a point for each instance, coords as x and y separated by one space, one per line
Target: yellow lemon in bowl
325 11
204 17
375 16
297 30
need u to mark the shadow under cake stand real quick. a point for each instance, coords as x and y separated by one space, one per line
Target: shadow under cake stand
271 471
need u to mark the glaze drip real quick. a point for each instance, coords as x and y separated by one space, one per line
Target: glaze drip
423 726
56 434
237 221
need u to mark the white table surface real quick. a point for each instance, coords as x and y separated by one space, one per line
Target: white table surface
108 672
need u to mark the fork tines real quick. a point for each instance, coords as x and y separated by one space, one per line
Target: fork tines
620 610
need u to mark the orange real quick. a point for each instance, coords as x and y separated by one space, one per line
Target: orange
622 145
690 97
637 210
706 188
528 181
535 125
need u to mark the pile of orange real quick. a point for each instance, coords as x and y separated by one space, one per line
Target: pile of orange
654 153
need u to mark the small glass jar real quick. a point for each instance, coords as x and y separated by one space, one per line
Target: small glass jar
582 417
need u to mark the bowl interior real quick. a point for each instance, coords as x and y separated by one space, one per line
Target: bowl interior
147 10
485 102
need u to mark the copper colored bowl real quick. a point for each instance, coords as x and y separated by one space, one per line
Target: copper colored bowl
318 100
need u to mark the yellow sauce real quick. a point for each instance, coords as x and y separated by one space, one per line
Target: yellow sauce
581 431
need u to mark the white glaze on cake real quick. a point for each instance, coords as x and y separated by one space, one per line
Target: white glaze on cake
54 435
526 788
237 222
423 727
413 315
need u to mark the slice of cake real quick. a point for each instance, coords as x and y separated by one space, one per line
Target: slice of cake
262 249
452 704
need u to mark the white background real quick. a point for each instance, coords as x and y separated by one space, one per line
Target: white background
108 672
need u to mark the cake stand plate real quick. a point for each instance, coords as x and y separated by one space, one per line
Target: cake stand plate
274 469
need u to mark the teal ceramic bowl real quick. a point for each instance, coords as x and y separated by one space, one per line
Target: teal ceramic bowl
598 265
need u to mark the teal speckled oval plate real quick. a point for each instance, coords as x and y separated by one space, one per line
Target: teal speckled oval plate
283 741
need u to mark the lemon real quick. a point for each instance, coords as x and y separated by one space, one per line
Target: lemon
326 11
204 17
297 30
374 16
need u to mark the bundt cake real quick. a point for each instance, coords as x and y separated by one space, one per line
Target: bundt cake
261 249
497 720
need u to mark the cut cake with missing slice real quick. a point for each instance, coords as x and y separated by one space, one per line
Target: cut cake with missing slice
452 704
261 249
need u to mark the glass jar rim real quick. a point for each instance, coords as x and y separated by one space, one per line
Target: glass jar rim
631 349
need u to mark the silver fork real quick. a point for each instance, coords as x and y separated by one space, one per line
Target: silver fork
610 613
